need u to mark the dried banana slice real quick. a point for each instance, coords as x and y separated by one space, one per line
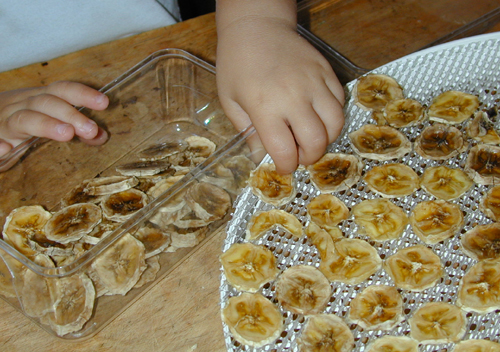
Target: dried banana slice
379 142
380 219
437 322
414 268
452 107
323 239
220 176
335 172
73 298
479 289
352 261
198 150
482 242
252 319
73 222
176 202
248 266
23 224
35 293
11 273
303 289
154 240
79 194
208 201
263 221
490 204
477 345
436 220
152 269
120 266
143 168
108 185
326 332
103 229
392 180
389 343
444 182
377 307
270 186
186 237
483 164
440 142
122 205
327 211
374 91
483 128
403 113
241 167
162 150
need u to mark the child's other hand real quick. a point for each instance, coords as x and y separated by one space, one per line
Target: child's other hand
268 75
50 112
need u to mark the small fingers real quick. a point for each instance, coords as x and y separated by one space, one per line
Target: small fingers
329 110
4 148
78 94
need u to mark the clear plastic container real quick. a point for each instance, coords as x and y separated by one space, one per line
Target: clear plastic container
386 31
72 288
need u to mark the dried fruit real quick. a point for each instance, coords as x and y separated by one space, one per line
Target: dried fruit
380 219
437 322
252 319
303 289
248 266
35 293
440 142
155 240
389 343
374 91
436 220
379 142
263 221
326 332
483 127
162 150
479 289
483 164
490 204
327 211
335 172
208 201
270 186
122 205
352 261
143 168
403 113
444 182
477 345
241 167
377 307
392 180
414 268
109 185
11 273
323 239
452 107
482 242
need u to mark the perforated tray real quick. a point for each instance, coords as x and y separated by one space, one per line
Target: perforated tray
471 65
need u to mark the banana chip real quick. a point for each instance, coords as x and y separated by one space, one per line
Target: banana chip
208 201
452 107
436 220
120 266
109 185
440 142
11 273
379 142
389 343
252 319
482 242
323 239
437 322
392 180
335 172
152 269
414 268
477 345
154 240
490 204
248 266
327 211
380 219
270 186
162 150
326 332
403 113
303 289
122 205
479 289
483 164
374 91
241 167
35 293
483 127
444 182
377 307
263 221
352 261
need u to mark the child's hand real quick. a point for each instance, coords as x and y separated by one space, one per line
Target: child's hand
49 112
268 75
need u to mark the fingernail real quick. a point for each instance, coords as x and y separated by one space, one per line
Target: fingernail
100 98
63 128
88 126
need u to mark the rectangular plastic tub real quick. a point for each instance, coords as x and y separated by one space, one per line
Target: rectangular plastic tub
385 31
136 230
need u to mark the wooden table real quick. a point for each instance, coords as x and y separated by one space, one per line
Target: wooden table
180 313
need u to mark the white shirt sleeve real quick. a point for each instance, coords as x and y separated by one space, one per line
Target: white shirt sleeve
39 30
